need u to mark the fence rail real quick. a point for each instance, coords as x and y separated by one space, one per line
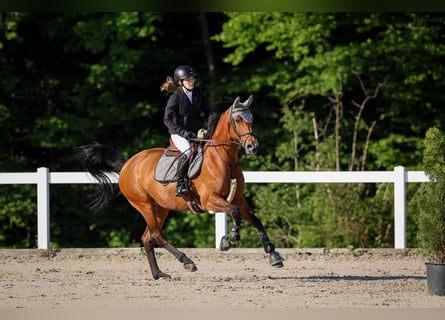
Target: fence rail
43 178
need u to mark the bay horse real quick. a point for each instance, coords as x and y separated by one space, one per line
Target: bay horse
212 187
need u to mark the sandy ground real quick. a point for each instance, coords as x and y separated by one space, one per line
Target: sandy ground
240 278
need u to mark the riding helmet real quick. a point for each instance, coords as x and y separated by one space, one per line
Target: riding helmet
183 72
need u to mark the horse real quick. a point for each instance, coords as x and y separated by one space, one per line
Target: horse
219 187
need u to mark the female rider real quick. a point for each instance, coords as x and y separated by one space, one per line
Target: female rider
183 117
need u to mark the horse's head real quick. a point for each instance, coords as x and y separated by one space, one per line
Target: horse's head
241 121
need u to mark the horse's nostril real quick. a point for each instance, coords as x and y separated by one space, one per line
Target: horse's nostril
251 148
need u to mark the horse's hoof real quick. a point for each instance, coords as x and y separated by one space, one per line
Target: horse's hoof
275 260
225 243
161 275
190 267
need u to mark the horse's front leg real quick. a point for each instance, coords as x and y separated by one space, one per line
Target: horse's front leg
230 241
275 258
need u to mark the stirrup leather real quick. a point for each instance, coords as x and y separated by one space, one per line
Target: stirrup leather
182 189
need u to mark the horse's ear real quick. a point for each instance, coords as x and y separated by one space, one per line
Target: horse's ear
248 102
236 102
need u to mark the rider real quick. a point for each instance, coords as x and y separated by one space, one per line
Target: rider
182 117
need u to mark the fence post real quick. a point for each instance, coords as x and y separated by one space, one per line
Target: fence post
220 227
399 207
43 208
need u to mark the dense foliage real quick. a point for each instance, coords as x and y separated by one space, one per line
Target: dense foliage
333 91
430 200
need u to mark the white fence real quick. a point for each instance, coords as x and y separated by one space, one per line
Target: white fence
399 177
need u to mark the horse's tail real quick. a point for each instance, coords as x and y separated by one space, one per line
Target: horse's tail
101 160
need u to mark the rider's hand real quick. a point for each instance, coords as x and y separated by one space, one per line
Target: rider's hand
202 133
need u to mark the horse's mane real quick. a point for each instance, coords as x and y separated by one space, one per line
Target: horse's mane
218 109
222 104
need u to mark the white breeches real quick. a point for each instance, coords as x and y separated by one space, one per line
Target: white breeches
182 144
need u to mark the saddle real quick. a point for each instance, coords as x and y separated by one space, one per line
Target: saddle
166 169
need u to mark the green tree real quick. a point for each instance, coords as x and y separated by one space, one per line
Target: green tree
311 56
67 79
334 65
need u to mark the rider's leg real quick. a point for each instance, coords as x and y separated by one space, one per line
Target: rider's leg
183 145
183 166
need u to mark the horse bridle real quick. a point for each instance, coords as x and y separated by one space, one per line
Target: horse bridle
247 116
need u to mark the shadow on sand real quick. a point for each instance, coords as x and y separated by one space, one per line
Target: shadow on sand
350 278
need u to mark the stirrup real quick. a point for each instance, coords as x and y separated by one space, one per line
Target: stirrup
181 189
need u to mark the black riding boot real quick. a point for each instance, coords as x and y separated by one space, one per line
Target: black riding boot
183 166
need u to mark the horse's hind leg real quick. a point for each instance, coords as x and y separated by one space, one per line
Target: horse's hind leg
149 249
188 264
155 217
157 238
154 224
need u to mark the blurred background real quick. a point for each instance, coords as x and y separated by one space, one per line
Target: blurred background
332 91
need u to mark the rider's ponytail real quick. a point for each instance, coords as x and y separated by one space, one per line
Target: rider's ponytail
170 85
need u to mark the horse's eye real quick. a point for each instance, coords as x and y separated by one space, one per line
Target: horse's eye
238 120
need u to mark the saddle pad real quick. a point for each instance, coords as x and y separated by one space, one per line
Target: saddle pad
166 169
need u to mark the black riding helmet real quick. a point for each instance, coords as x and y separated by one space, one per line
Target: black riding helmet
183 72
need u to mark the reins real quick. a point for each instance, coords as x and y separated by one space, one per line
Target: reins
214 140
219 143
